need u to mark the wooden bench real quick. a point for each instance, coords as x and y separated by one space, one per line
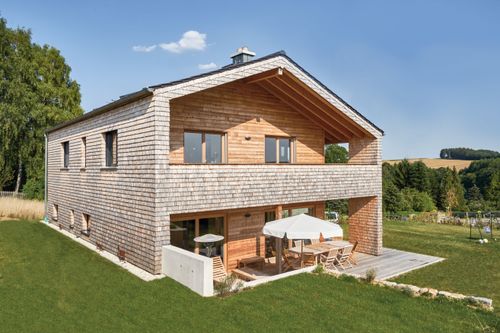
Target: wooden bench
250 261
244 275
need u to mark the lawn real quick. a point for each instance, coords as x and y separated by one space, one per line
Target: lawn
49 283
470 268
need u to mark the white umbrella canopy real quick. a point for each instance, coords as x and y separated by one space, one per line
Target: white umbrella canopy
208 238
302 226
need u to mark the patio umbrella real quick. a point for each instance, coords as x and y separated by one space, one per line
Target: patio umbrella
208 240
302 227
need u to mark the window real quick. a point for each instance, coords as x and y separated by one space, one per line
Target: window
111 140
84 152
71 219
278 150
55 212
270 150
182 234
65 147
86 224
200 147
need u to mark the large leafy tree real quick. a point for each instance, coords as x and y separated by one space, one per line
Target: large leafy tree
336 154
36 92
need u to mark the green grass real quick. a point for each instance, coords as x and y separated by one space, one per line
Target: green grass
49 283
470 268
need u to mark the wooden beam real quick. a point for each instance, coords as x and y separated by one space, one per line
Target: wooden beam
318 99
264 76
297 104
324 113
331 132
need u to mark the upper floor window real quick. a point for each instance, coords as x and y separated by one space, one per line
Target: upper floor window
84 152
65 148
278 150
202 147
111 151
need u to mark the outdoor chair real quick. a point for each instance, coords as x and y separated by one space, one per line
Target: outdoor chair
297 243
352 257
329 260
315 241
219 270
289 261
343 257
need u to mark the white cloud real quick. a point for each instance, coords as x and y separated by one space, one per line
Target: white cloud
208 66
142 48
191 40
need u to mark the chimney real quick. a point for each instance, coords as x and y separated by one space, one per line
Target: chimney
243 54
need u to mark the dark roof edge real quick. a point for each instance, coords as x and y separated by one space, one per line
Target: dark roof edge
334 94
220 70
132 97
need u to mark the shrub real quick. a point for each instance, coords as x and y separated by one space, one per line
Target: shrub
319 269
34 189
370 275
229 285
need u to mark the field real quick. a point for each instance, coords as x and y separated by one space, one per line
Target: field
21 208
48 283
435 163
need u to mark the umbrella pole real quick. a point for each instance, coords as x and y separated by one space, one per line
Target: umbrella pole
278 254
302 253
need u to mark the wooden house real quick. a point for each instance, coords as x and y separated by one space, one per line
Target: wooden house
222 152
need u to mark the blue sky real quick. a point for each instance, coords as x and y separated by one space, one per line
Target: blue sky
427 72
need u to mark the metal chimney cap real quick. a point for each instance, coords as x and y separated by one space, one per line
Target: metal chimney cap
243 50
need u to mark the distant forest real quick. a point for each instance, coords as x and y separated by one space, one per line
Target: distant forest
467 154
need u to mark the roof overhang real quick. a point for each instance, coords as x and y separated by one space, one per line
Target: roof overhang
281 83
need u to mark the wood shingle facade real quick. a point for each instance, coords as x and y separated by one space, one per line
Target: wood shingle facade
132 205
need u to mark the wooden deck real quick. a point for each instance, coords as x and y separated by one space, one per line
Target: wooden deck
391 263
388 265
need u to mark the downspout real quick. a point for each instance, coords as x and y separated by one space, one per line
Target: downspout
46 191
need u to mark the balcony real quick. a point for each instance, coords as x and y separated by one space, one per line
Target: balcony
196 188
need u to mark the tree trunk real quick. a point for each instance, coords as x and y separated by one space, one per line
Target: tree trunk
19 174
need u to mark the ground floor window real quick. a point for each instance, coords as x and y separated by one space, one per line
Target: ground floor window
86 224
182 234
55 212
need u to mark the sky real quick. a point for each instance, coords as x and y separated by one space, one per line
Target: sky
426 72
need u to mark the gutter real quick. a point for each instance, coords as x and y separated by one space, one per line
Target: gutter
46 190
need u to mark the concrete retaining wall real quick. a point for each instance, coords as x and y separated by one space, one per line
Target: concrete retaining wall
190 269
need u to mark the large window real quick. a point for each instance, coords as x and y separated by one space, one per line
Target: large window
278 150
201 147
65 148
111 151
182 234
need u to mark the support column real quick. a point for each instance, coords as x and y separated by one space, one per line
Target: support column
365 224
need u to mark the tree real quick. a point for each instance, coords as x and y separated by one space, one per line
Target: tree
336 154
391 198
402 174
468 153
36 93
418 177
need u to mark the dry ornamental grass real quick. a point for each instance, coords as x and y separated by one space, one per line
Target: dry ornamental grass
21 208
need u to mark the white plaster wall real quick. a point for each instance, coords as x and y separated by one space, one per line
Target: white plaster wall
192 270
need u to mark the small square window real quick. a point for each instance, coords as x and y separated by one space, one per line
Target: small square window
55 212
86 224
71 219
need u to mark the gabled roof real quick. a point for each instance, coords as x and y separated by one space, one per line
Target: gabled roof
148 91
